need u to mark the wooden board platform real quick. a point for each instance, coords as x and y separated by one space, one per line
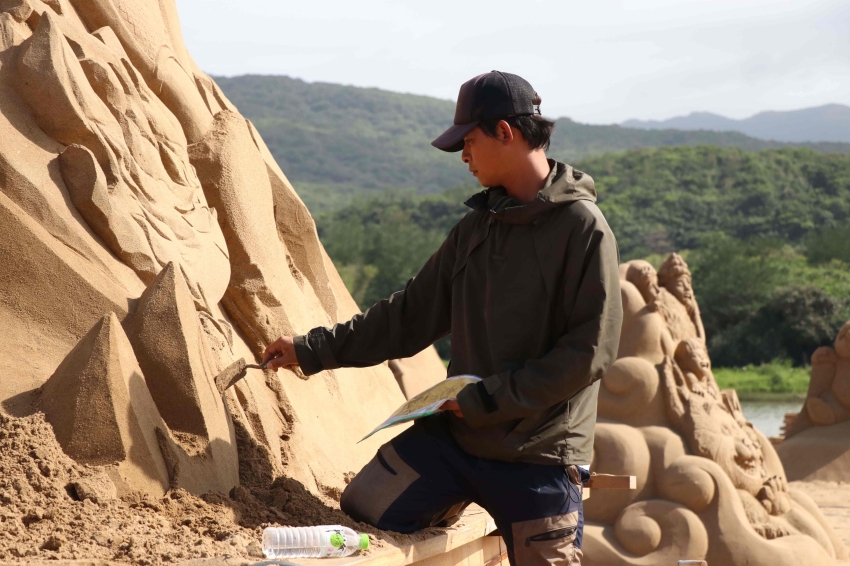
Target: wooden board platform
465 543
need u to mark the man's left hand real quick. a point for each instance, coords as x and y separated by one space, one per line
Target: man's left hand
453 406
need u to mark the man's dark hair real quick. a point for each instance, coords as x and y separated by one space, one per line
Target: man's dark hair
536 129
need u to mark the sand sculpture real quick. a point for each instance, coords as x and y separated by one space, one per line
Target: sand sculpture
709 485
148 240
817 440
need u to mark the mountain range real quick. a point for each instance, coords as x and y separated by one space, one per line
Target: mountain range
828 123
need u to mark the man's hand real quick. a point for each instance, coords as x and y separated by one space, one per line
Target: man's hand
452 405
280 354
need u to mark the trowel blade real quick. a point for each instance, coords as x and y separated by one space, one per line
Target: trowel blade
233 373
230 375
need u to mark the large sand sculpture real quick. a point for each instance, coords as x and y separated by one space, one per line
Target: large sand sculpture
709 485
148 239
817 440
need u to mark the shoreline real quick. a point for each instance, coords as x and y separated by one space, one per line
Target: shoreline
770 397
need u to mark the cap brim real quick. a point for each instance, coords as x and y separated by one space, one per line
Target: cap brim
452 139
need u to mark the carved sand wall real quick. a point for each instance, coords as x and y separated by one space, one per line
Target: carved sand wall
148 239
709 485
817 440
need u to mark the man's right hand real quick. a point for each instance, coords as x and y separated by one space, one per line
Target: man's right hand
280 354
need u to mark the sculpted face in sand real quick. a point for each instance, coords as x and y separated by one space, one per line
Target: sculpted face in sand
675 277
682 321
643 276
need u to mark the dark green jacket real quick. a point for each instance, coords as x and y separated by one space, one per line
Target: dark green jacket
531 296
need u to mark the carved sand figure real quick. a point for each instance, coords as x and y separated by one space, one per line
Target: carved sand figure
828 398
149 240
709 484
817 439
676 303
675 276
715 428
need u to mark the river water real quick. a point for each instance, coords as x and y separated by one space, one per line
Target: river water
768 416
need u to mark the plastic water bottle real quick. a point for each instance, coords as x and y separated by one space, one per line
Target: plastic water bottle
312 542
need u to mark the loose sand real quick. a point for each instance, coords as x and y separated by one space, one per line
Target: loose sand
53 508
833 498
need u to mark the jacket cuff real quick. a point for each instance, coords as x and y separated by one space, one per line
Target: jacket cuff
477 403
307 359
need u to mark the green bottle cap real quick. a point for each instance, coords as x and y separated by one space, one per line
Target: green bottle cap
364 541
337 540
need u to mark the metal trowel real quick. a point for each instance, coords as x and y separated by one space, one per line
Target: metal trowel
233 373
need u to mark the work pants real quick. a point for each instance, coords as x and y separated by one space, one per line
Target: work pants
422 479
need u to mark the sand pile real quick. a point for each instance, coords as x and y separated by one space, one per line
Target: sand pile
53 508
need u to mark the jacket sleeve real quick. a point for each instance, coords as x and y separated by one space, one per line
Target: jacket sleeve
398 327
579 357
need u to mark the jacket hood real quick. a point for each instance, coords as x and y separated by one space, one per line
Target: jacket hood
563 186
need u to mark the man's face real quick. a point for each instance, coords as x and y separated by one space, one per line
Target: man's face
485 156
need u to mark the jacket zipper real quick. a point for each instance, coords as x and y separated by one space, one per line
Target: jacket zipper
551 535
500 236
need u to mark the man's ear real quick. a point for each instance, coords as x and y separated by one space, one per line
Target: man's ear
504 133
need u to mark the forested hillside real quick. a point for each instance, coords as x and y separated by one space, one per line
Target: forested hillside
666 199
767 236
338 141
766 233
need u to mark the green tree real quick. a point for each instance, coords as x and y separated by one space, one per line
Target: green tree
791 325
733 278
380 241
829 243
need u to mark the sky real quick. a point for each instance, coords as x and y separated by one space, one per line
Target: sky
596 61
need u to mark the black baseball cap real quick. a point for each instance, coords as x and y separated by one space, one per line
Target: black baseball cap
491 95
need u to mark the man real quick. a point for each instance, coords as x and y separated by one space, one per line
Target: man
527 284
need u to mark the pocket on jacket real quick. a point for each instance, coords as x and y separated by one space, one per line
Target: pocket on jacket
536 425
546 541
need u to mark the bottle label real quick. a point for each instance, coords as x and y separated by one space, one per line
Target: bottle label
337 540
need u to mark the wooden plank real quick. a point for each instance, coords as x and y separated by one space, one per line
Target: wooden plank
463 544
484 551
473 525
610 481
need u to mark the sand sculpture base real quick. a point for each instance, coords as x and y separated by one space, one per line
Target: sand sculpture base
833 498
817 453
816 441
